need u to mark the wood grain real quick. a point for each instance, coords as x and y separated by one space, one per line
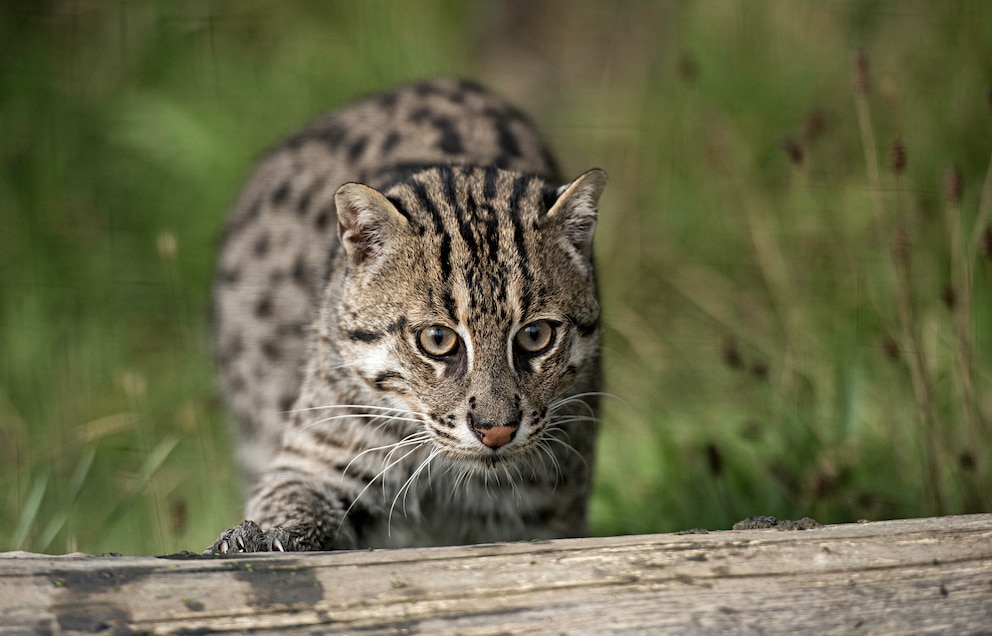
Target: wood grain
908 576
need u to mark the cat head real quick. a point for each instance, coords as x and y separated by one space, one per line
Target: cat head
468 297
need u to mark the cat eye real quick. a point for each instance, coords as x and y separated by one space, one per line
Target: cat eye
535 337
438 341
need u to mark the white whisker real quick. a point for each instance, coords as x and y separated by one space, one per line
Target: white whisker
575 418
419 437
564 444
514 483
547 450
460 479
573 401
382 474
353 406
561 402
362 416
405 488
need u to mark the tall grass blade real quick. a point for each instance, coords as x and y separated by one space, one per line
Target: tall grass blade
30 511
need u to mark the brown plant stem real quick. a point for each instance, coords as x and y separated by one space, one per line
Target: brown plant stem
899 270
960 309
917 365
983 216
980 428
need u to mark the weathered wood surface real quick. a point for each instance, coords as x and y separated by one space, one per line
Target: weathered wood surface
911 576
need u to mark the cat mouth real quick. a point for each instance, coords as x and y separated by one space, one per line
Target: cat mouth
488 459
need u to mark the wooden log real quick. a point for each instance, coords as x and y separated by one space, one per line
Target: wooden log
909 576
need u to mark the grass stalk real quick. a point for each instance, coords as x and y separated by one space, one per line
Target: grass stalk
917 365
901 276
983 217
154 461
30 511
57 522
868 140
959 302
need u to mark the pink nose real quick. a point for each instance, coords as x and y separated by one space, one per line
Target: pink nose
493 435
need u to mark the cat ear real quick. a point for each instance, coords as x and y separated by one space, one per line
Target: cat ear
577 208
367 221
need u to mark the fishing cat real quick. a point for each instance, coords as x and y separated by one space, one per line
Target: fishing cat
407 329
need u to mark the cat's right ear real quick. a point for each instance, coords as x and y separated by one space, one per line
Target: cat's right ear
367 222
577 208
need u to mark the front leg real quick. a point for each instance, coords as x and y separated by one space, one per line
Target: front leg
292 512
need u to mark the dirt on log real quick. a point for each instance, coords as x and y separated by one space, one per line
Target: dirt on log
891 577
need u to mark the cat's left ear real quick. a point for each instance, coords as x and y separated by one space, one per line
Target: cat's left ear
577 208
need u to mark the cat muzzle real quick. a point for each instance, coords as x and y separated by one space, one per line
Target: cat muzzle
494 435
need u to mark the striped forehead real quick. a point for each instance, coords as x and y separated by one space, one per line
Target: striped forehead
480 218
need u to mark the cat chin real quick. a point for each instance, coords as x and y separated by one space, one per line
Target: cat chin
488 461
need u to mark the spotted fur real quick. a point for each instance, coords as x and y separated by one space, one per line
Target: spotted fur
407 329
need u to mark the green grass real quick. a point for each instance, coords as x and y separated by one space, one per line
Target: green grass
770 350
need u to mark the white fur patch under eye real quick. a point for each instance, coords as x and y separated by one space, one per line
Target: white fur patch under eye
377 359
467 340
509 344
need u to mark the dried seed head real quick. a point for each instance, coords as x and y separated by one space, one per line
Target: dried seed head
949 298
178 516
752 430
760 370
901 244
890 348
166 244
826 477
967 460
732 355
793 150
133 384
897 157
714 458
824 484
861 77
688 67
816 125
953 187
888 89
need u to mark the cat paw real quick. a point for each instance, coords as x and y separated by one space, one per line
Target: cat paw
249 537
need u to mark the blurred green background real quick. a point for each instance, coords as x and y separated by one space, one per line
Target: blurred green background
794 253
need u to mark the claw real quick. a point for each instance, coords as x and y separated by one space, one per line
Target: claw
240 541
277 545
224 547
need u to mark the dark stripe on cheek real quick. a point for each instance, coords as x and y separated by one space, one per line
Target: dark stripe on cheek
364 336
382 380
585 328
443 434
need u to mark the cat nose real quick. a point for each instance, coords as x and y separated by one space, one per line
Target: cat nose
494 435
